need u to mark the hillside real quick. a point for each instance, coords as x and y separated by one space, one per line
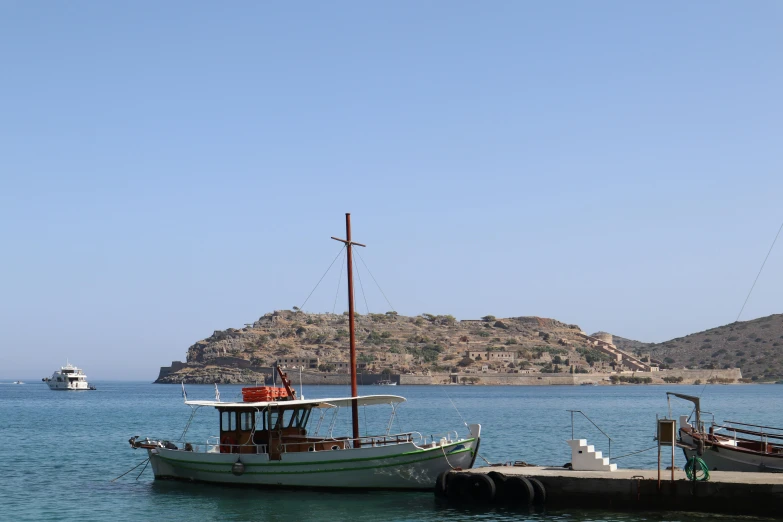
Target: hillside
399 344
755 346
429 343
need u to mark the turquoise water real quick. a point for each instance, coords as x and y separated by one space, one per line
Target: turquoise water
61 450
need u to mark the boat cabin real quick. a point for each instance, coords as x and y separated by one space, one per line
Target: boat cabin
272 429
277 427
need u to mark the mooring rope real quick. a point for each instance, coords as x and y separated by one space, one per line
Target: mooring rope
447 458
142 469
634 453
134 467
485 460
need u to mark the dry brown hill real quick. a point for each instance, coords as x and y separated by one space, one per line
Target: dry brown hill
390 341
755 346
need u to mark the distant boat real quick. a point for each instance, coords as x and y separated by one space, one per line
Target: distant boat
588 384
18 382
386 382
68 378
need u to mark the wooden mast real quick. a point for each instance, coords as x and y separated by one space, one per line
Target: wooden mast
351 326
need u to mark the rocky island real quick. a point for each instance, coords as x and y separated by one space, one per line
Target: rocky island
439 349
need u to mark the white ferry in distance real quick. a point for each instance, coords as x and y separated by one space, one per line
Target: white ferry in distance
68 377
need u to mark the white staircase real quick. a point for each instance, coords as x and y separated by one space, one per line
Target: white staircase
585 458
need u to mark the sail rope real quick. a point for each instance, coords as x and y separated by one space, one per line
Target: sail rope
322 278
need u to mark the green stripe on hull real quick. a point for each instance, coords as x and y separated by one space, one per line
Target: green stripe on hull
320 462
177 464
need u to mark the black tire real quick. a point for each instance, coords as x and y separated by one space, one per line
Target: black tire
477 488
441 484
519 491
539 492
500 484
454 487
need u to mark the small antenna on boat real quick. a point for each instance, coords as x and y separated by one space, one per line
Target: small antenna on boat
301 390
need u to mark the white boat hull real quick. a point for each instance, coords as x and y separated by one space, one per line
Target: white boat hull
65 386
399 466
727 458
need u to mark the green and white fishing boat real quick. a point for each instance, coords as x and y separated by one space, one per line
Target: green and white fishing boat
272 438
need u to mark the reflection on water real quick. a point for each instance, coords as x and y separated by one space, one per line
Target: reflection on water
62 449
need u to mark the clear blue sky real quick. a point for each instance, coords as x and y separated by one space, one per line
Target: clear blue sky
168 169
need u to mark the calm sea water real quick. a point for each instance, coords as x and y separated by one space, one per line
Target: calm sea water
60 450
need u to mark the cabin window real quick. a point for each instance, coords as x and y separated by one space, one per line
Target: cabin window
228 421
304 418
273 418
299 418
246 420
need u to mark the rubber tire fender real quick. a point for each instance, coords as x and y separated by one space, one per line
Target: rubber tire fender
519 491
454 486
500 484
539 492
442 482
478 488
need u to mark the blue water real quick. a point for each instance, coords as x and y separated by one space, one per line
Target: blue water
60 450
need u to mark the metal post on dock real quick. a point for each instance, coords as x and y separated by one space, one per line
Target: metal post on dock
667 435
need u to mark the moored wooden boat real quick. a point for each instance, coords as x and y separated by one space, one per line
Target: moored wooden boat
731 446
273 438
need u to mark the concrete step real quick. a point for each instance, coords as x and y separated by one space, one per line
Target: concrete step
585 458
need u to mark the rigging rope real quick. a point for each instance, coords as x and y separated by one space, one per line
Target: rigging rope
376 282
748 296
366 306
760 269
322 278
340 280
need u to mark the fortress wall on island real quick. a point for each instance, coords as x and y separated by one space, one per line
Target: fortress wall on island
421 379
703 375
491 379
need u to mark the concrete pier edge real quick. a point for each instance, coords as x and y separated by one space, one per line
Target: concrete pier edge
635 489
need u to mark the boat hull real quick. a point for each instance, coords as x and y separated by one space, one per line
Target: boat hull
727 458
402 466
64 386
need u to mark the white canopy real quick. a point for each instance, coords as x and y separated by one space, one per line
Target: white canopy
367 400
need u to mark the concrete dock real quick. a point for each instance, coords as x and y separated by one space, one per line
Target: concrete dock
725 492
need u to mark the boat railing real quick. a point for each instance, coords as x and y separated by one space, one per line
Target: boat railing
583 414
383 440
776 434
754 425
449 436
215 447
